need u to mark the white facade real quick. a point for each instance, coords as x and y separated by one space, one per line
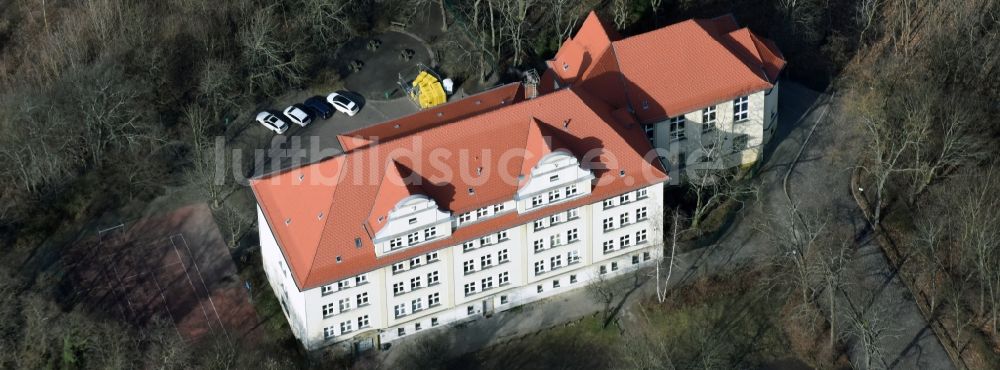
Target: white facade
731 139
523 263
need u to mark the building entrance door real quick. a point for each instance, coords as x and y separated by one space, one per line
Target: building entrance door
488 307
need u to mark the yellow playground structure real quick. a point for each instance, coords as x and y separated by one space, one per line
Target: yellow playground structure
425 90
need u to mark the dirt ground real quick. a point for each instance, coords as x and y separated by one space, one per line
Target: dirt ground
173 267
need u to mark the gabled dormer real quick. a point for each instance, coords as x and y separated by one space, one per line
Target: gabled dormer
551 172
402 215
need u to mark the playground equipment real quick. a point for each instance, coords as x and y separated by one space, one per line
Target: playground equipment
425 89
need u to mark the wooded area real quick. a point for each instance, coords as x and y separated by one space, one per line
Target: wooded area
105 105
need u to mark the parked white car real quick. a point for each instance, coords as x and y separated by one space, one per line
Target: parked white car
342 103
298 114
272 122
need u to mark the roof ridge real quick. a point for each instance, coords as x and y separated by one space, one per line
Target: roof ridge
322 235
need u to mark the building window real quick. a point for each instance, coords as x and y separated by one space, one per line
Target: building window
539 288
504 277
573 257
328 310
539 224
625 240
487 283
415 262
650 132
640 214
397 288
434 321
343 284
432 278
572 279
486 240
555 240
571 190
400 310
645 256
417 304
465 217
554 195
469 266
539 245
609 245
433 299
345 327
708 119
327 289
329 332
486 260
501 236
401 332
635 259
539 267
395 243
608 203
360 279
677 128
470 288
415 283
573 213
640 237
572 236
498 208
555 219
413 238
468 246
556 261
741 109
504 299
416 327
430 233
345 304
555 283
624 198
502 255
553 178
431 257
624 219
609 223
536 201
641 193
603 269
740 142
614 266
470 310
481 212
397 267
362 299
363 322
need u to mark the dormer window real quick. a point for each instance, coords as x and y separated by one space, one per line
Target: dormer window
536 201
413 221
553 178
413 238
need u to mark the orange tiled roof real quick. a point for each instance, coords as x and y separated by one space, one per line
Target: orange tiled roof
321 250
449 112
675 69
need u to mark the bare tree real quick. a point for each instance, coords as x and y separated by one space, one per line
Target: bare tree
270 62
797 237
979 233
833 261
890 141
662 285
869 325
236 222
945 142
514 17
622 10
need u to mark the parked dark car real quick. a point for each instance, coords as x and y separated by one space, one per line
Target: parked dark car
319 107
